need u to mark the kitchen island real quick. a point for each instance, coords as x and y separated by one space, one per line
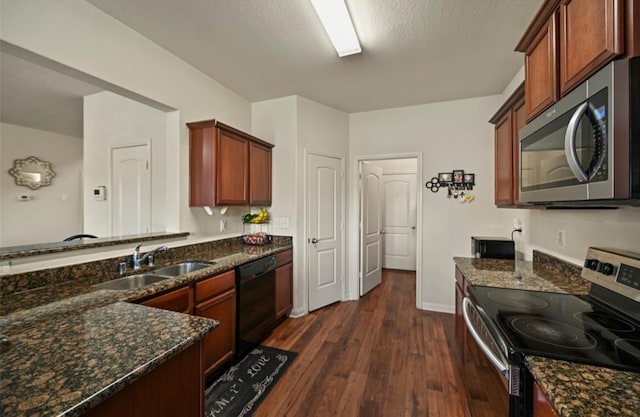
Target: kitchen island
573 389
73 346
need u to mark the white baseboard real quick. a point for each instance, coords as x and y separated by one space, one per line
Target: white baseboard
298 313
440 308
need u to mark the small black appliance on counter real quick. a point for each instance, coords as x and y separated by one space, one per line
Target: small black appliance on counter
492 247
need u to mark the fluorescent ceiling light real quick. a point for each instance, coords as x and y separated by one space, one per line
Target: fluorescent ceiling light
336 21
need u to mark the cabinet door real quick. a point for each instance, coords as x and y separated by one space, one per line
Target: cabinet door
232 180
591 34
259 175
210 287
284 289
540 67
219 345
460 326
202 154
541 405
504 161
519 120
180 300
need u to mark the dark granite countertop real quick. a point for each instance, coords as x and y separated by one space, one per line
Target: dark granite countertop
543 274
578 390
13 252
66 363
72 345
575 390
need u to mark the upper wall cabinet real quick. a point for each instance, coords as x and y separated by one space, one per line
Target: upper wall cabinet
227 166
508 121
569 40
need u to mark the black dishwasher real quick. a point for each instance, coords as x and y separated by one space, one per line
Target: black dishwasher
255 308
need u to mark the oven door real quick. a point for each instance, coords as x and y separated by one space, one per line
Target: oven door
504 395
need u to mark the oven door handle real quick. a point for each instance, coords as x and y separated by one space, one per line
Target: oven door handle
501 365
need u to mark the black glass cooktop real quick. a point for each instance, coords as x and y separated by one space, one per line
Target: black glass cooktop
560 326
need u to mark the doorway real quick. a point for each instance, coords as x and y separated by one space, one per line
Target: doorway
325 233
131 188
399 231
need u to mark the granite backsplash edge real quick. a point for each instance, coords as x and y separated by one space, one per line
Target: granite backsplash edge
564 274
104 269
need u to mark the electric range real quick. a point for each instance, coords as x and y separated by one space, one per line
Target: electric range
601 328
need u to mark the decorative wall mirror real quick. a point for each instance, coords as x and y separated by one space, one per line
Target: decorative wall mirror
32 172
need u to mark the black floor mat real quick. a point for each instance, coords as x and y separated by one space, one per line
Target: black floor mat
240 390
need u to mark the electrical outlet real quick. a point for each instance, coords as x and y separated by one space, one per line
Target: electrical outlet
223 225
561 238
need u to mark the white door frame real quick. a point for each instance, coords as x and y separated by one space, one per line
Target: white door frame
305 228
354 215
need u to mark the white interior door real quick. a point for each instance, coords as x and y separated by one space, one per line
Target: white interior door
130 190
370 227
399 221
325 230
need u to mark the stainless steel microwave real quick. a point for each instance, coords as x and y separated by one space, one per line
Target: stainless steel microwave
585 150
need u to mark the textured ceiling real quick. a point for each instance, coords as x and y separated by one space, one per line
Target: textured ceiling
414 51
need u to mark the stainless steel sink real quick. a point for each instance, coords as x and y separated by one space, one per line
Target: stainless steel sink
132 282
183 268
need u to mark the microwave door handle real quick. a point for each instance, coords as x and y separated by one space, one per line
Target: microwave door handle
601 132
499 364
570 143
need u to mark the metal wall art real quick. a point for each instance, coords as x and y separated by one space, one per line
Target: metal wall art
32 172
458 184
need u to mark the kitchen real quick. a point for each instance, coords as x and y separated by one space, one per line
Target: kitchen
94 40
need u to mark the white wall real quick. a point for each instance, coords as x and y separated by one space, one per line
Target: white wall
298 126
76 34
25 222
450 135
113 121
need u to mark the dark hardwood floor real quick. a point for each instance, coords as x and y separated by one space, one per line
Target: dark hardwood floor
379 356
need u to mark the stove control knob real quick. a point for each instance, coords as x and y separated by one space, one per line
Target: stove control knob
607 269
592 264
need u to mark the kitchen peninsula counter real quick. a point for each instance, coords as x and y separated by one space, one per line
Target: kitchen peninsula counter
73 346
574 389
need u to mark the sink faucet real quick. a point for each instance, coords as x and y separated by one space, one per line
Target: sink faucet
136 259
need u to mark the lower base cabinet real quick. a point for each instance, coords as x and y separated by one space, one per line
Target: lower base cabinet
284 283
216 299
541 405
180 300
175 388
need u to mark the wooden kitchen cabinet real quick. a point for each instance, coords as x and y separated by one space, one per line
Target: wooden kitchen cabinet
232 174
259 174
227 166
508 121
180 300
175 388
567 41
591 34
216 299
460 325
540 67
541 405
284 283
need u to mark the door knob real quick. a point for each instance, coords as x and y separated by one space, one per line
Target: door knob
382 232
413 228
314 240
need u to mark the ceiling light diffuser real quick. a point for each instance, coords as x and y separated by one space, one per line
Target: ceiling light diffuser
336 21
